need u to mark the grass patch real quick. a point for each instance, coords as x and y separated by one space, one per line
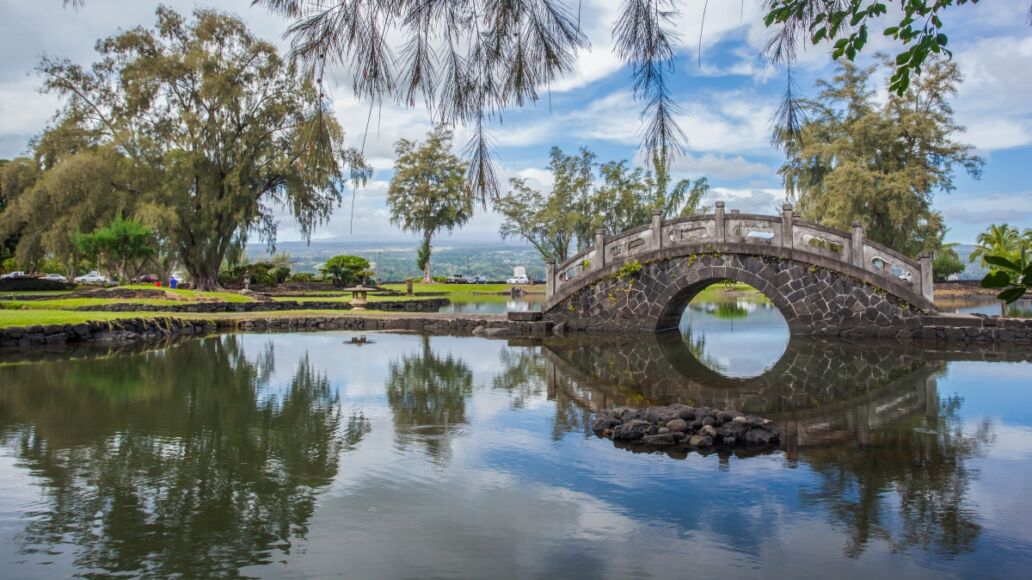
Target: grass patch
76 303
196 295
9 318
718 292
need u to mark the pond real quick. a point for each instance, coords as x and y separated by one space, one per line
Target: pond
494 304
394 455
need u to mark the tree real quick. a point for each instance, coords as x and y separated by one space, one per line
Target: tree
628 197
1006 253
205 119
62 189
858 160
946 263
345 270
551 223
124 244
999 240
428 193
580 202
470 60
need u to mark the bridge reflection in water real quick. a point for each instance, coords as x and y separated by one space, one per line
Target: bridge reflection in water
818 392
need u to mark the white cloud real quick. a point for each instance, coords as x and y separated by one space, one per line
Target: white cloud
993 99
23 110
982 210
716 166
755 200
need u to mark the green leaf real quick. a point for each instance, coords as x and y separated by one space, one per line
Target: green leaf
891 31
1002 262
1012 294
996 280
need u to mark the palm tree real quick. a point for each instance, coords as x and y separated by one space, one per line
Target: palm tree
998 240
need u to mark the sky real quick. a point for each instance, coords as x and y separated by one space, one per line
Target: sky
727 94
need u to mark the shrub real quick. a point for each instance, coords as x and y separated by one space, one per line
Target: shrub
260 273
32 285
303 278
345 270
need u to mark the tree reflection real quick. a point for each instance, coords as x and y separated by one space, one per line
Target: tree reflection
696 345
427 394
179 462
907 486
522 376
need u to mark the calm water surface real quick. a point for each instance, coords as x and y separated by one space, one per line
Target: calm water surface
305 455
496 304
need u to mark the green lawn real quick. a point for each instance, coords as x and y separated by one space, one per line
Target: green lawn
10 318
718 292
197 295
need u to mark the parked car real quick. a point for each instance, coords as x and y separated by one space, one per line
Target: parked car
54 277
13 275
518 280
457 279
91 278
478 280
147 279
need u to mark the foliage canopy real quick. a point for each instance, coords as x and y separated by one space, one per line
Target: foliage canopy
428 193
199 119
880 164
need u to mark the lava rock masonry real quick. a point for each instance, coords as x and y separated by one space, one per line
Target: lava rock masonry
698 427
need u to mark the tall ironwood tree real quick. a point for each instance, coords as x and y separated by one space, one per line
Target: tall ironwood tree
856 159
205 119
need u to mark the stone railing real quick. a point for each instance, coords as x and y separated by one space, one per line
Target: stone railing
784 231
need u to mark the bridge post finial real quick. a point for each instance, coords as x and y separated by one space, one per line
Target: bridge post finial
549 278
857 247
787 219
657 229
718 216
600 247
927 280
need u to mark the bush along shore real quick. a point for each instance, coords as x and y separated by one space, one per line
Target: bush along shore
701 428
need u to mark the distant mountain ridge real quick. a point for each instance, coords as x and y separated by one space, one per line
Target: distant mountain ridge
396 259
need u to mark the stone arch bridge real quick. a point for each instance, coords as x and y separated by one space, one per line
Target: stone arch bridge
824 281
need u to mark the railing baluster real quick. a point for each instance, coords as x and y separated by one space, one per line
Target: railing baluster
718 216
858 245
786 226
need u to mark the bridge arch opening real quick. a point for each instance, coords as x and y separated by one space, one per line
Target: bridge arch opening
730 327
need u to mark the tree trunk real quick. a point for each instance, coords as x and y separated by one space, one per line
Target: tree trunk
205 281
427 238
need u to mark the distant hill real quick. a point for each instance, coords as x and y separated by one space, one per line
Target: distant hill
396 260
972 270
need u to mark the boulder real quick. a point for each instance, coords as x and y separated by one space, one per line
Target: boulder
633 430
679 425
